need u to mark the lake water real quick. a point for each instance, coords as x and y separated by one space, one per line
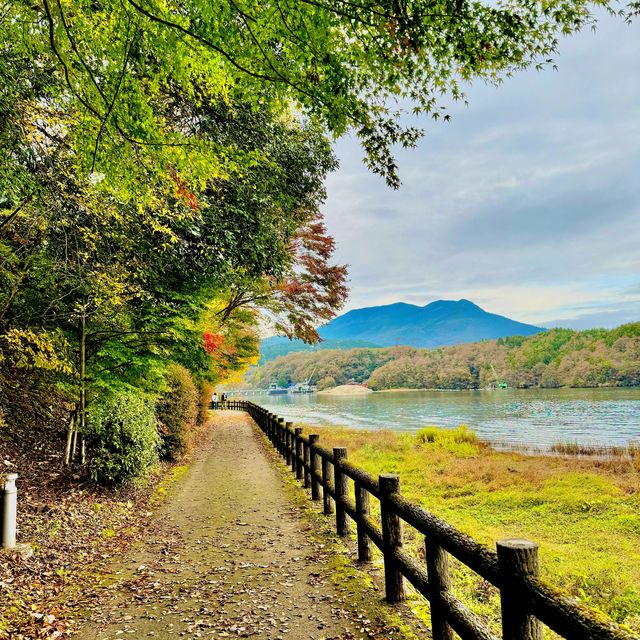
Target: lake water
536 417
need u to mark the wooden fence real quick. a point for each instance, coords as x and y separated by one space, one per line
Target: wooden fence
526 601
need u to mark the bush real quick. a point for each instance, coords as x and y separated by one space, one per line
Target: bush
123 441
177 411
206 390
460 441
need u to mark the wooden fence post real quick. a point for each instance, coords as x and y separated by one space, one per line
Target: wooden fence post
298 439
517 558
315 467
391 537
307 464
287 441
281 436
439 581
362 509
274 428
342 491
270 426
326 478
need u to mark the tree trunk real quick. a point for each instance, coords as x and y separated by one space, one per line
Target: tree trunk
81 421
70 430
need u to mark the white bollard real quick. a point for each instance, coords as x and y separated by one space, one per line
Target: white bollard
9 511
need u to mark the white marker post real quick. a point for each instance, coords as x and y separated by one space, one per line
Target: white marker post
9 511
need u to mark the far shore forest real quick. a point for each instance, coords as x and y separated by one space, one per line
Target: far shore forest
552 359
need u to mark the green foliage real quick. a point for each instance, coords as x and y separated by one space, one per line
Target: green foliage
177 411
278 346
205 391
109 71
148 277
558 357
354 365
123 439
460 441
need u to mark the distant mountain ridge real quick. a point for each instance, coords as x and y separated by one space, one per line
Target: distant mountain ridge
437 324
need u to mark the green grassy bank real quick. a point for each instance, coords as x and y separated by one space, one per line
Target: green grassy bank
584 513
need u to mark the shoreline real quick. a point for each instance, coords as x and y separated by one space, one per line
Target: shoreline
588 419
413 390
559 449
448 390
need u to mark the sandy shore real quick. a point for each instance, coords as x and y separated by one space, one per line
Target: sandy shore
346 390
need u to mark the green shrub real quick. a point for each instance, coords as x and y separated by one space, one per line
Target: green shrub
461 441
206 390
123 441
177 411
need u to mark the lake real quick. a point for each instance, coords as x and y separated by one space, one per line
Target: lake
513 417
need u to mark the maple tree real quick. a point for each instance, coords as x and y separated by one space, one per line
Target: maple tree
308 292
128 289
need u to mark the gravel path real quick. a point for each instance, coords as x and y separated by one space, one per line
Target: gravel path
227 555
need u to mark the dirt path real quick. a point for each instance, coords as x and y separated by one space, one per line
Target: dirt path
227 555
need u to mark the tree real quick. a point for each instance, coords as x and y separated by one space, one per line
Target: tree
309 292
131 289
344 64
576 358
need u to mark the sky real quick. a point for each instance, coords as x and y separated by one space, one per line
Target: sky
527 202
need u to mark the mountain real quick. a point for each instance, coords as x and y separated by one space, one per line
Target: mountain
440 323
443 322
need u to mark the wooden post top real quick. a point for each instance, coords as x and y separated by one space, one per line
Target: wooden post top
389 483
516 543
518 557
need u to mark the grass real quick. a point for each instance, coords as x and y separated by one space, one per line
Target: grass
631 451
584 512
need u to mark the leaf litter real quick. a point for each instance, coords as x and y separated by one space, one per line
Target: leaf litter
226 556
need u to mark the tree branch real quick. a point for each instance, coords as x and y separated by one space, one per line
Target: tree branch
15 212
199 38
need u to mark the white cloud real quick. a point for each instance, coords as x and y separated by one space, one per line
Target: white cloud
528 202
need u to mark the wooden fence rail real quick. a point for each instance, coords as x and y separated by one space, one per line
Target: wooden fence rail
526 601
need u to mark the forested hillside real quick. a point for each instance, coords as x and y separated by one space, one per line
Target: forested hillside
559 357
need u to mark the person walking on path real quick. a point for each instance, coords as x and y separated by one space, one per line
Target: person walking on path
214 400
